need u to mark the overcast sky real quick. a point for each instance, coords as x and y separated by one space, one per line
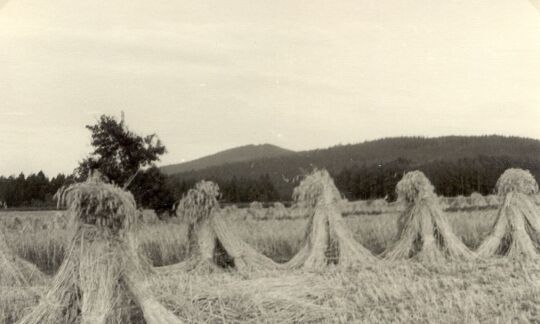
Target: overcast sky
302 74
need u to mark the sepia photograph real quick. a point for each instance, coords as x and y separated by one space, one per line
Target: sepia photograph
256 161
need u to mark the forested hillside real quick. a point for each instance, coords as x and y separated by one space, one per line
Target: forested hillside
455 164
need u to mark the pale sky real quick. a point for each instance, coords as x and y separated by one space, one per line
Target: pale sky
302 74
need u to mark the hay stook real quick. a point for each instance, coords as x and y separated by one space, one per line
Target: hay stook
423 230
476 200
257 211
516 231
493 200
459 202
212 244
327 238
103 279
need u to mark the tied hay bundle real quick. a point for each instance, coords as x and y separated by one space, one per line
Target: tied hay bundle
327 238
378 205
100 204
199 202
423 230
515 232
15 271
212 244
195 209
346 207
477 200
316 189
414 186
257 211
492 200
278 211
516 180
360 206
102 279
459 202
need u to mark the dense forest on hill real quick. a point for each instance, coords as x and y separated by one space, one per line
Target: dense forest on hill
450 178
456 165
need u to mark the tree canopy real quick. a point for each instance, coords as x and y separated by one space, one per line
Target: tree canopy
118 152
127 159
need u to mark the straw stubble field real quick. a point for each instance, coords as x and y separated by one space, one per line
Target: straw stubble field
495 291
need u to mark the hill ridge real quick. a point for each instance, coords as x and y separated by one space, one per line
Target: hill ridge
237 154
442 157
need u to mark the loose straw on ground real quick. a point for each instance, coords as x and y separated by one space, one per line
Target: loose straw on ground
102 278
424 232
517 227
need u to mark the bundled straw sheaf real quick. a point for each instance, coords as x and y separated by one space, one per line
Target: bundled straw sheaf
414 186
459 202
212 236
492 200
97 203
326 227
317 188
424 232
199 202
517 180
212 243
516 231
102 274
477 200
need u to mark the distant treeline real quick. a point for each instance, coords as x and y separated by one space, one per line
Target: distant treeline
456 165
35 190
450 178
149 188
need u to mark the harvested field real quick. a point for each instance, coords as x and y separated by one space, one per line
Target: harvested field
406 291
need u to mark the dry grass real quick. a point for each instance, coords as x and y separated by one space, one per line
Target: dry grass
34 236
405 292
402 292
165 242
